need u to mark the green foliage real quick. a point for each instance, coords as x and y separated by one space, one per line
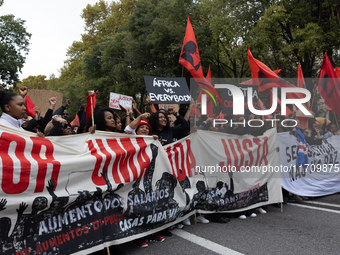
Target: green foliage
34 82
126 40
14 41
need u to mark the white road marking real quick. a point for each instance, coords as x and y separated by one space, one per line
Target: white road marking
316 208
215 247
322 203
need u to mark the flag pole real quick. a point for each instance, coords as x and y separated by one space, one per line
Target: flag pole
195 113
92 111
336 118
311 106
108 250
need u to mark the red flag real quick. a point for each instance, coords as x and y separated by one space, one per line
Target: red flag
29 106
198 112
89 111
261 106
265 78
261 72
300 84
261 88
303 121
327 108
337 72
328 86
154 108
221 116
191 60
277 71
279 107
209 74
190 57
75 121
210 111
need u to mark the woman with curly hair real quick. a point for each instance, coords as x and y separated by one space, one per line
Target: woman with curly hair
104 120
159 123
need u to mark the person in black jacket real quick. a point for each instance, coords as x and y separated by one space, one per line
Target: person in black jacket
311 140
159 123
63 112
60 127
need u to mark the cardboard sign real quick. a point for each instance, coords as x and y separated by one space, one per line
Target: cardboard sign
227 99
167 90
118 99
40 98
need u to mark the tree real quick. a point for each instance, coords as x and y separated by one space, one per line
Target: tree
149 44
282 33
34 82
129 39
14 41
102 21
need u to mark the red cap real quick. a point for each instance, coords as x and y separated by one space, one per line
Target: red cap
144 122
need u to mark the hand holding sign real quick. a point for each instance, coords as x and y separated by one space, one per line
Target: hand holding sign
171 110
134 105
123 109
148 99
163 90
117 100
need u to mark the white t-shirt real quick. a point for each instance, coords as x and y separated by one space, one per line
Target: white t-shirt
129 129
9 121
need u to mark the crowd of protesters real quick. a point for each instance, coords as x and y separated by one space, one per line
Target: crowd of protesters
157 124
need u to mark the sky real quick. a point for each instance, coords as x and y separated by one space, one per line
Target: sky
54 26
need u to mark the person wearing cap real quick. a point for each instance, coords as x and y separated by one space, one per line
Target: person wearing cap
140 126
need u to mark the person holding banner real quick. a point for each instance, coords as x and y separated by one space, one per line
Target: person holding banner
13 108
159 123
331 130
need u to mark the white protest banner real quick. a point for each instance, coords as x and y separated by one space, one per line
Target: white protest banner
321 177
118 99
80 193
235 170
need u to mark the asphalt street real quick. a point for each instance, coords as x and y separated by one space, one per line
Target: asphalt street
308 227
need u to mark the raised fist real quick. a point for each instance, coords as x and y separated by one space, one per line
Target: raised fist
23 91
67 103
